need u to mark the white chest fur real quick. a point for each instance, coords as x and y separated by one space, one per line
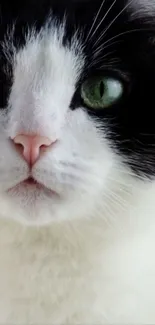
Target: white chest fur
79 273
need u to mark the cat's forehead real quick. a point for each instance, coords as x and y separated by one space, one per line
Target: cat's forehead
45 59
28 13
72 24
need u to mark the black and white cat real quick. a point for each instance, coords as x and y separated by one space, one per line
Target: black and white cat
77 163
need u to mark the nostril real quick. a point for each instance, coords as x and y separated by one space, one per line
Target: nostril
19 147
31 147
43 148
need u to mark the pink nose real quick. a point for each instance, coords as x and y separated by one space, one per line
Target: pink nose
31 146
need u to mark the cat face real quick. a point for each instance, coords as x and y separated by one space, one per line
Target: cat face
79 74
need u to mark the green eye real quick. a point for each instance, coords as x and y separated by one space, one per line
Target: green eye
99 93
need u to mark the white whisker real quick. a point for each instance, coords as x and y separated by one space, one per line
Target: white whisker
112 204
101 47
97 51
94 22
132 174
96 29
110 64
106 56
112 22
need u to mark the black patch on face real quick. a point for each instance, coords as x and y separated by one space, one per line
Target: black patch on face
129 125
116 45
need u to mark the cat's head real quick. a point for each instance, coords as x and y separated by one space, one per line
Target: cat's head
77 107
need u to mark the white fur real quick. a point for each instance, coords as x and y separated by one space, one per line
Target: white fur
93 262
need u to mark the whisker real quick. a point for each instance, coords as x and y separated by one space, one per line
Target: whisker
106 14
95 20
122 34
110 63
111 206
112 22
118 199
97 51
106 54
78 173
108 216
101 58
131 174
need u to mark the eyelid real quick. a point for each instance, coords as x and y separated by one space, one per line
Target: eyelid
120 75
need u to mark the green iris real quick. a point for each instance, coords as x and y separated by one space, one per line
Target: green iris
99 93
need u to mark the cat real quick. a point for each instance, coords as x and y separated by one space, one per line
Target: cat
77 163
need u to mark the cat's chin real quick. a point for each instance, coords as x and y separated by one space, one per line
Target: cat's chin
30 185
31 203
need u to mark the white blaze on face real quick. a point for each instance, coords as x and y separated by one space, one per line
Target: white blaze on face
45 76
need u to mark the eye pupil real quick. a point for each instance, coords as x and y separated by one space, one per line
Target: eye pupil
101 92
101 88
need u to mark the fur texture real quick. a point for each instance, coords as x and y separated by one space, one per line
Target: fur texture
79 250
